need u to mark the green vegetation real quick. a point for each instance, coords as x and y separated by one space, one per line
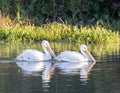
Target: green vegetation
58 32
35 20
72 11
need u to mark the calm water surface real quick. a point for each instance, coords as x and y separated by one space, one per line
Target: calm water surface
60 77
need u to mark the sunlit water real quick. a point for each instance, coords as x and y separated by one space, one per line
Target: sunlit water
60 77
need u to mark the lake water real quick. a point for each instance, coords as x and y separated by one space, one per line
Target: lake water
60 77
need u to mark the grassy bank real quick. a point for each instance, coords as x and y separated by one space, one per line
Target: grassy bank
58 32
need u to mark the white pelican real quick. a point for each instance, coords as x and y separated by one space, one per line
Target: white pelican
35 55
75 56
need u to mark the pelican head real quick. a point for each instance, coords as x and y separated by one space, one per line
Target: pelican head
47 49
84 51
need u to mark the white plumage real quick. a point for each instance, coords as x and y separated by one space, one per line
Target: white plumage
35 55
73 56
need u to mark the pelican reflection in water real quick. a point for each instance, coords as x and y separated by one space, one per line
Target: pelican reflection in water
72 56
35 55
43 69
75 68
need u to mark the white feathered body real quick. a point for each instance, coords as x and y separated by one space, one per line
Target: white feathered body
33 55
71 56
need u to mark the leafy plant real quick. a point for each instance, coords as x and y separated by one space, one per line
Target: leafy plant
59 32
